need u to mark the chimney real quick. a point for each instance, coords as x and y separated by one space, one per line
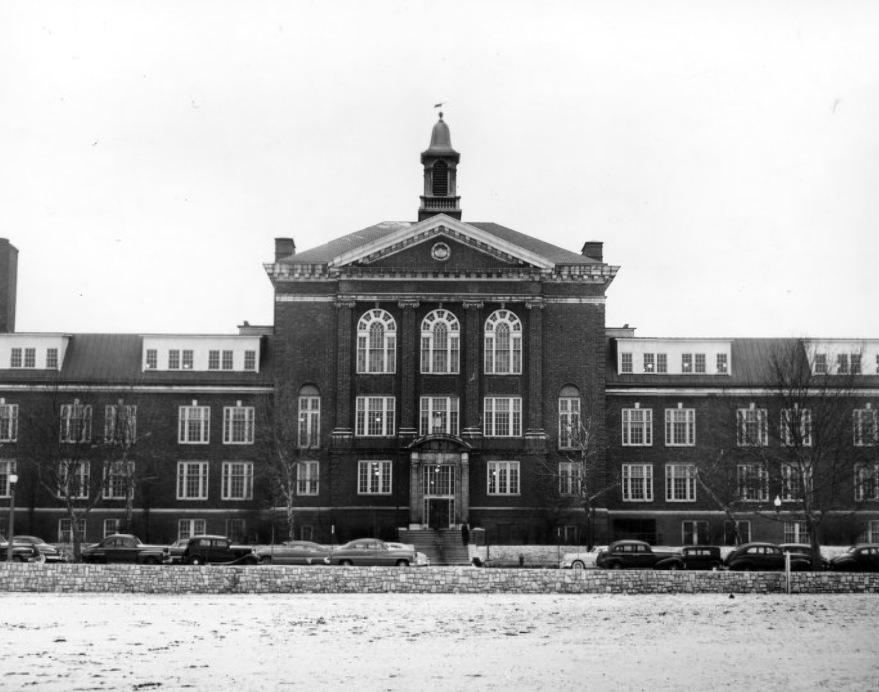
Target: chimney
284 247
8 282
593 249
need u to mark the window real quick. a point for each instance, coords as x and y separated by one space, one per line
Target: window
15 360
796 427
375 416
661 362
227 360
680 483
120 423
503 477
752 483
795 532
842 364
152 359
186 528
238 424
625 362
751 430
722 363
503 344
569 477
503 417
76 422
376 342
570 434
73 479
637 483
307 477
871 532
439 415
866 482
856 363
8 422
700 362
686 362
694 533
194 424
213 359
52 358
637 427
30 357
820 364
236 529
680 427
237 480
309 418
111 526
866 426
7 467
250 360
649 362
118 480
374 477
740 530
796 482
65 530
187 359
440 342
174 359
192 480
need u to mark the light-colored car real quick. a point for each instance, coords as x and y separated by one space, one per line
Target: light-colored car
50 552
371 552
421 560
294 553
580 559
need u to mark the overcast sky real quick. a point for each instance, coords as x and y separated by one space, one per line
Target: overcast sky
726 153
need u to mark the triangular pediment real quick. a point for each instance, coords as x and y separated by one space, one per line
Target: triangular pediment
440 239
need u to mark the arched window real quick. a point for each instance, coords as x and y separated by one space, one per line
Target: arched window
503 344
376 342
440 342
309 417
571 433
440 179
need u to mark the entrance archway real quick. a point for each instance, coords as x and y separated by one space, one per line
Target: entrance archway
439 482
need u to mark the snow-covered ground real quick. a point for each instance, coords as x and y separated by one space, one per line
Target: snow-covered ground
448 642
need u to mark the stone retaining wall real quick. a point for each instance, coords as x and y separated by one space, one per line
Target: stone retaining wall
82 578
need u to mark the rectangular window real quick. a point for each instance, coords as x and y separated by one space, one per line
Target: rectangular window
309 422
637 427
213 360
700 362
236 529
842 364
752 483
307 477
752 427
238 424
680 427
118 480
174 359
866 482
795 532
8 422
30 357
375 416
680 483
65 530
694 533
76 422
250 360
626 362
374 477
152 359
871 532
796 427
15 360
7 467
722 363
866 427
194 425
192 480
120 423
569 478
503 416
187 528
686 362
570 434
188 359
661 363
439 415
227 360
237 480
73 479
637 483
736 533
796 482
856 363
503 477
820 364
649 362
111 526
52 358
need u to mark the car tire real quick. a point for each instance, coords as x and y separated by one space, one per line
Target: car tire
17 558
151 561
615 565
250 561
402 563
346 563
675 566
195 560
267 560
578 564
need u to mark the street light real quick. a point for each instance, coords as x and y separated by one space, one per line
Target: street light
13 479
777 503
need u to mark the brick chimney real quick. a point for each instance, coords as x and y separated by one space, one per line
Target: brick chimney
284 247
8 282
593 249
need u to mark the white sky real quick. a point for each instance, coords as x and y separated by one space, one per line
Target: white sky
727 153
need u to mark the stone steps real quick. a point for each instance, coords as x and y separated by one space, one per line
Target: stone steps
442 546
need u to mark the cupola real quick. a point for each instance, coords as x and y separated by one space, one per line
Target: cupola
440 163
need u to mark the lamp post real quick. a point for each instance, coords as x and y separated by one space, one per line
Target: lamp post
13 479
777 503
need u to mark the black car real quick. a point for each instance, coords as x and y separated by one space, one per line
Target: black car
863 557
805 550
123 547
693 557
763 557
205 550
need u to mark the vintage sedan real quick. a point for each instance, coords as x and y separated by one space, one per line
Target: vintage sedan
693 557
863 557
50 552
580 559
421 560
21 552
173 554
123 547
764 557
370 552
294 553
206 550
805 550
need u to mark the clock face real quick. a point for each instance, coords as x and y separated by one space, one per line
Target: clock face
440 252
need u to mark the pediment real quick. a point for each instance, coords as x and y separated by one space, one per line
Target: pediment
440 242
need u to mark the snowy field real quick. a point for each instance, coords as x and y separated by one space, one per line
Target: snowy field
439 642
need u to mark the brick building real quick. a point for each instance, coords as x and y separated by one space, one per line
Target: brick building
436 373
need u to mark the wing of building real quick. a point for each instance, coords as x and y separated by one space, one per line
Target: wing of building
431 375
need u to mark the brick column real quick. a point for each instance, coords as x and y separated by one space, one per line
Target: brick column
416 492
535 435
343 431
472 369
410 344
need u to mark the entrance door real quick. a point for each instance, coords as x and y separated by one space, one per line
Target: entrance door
439 513
439 495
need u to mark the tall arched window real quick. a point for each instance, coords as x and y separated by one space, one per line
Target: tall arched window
440 342
571 433
376 342
309 417
503 344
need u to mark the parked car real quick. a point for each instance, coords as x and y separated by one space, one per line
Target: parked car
630 554
805 550
294 553
421 560
764 557
693 557
21 552
123 547
863 557
204 550
173 554
580 559
49 552
371 552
